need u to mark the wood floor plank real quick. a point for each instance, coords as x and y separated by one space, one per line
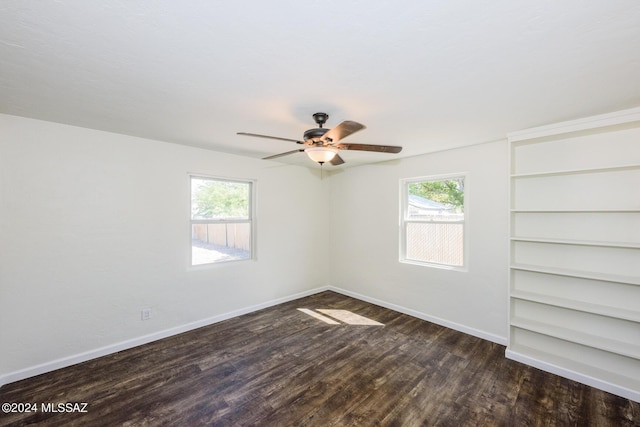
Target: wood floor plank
282 367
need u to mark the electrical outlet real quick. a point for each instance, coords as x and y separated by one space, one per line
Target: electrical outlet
145 314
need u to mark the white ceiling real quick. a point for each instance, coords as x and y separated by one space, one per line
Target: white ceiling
427 75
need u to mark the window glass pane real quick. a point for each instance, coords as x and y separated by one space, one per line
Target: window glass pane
433 221
436 200
221 220
439 243
220 242
220 200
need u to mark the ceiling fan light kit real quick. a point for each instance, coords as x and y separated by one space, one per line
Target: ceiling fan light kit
321 154
323 144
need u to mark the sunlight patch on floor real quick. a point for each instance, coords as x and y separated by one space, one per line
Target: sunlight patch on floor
349 317
345 316
319 316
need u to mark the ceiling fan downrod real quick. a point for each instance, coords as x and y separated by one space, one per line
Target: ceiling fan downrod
316 133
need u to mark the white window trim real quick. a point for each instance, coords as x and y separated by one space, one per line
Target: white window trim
252 220
404 220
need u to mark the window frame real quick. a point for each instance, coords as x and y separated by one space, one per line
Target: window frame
405 219
251 220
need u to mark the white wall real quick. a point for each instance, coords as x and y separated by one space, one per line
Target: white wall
94 226
366 262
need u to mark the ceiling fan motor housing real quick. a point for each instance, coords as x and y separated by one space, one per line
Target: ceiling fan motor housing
315 134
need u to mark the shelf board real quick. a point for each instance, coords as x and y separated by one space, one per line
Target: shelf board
576 171
582 338
605 277
604 211
627 245
571 304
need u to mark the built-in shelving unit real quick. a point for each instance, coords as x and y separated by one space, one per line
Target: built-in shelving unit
574 294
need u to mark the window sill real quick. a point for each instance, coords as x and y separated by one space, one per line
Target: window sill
435 265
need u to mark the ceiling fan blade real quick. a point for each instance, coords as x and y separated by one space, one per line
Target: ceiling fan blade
337 160
269 137
369 147
283 154
343 130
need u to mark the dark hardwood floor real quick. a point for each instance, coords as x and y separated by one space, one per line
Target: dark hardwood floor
283 367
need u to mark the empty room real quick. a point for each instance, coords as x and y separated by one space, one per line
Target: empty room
319 213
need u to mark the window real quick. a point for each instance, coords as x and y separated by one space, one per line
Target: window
433 221
221 220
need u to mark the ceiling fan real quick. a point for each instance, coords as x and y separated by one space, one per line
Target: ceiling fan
322 145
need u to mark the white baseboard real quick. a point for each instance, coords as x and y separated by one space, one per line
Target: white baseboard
438 321
575 376
124 345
